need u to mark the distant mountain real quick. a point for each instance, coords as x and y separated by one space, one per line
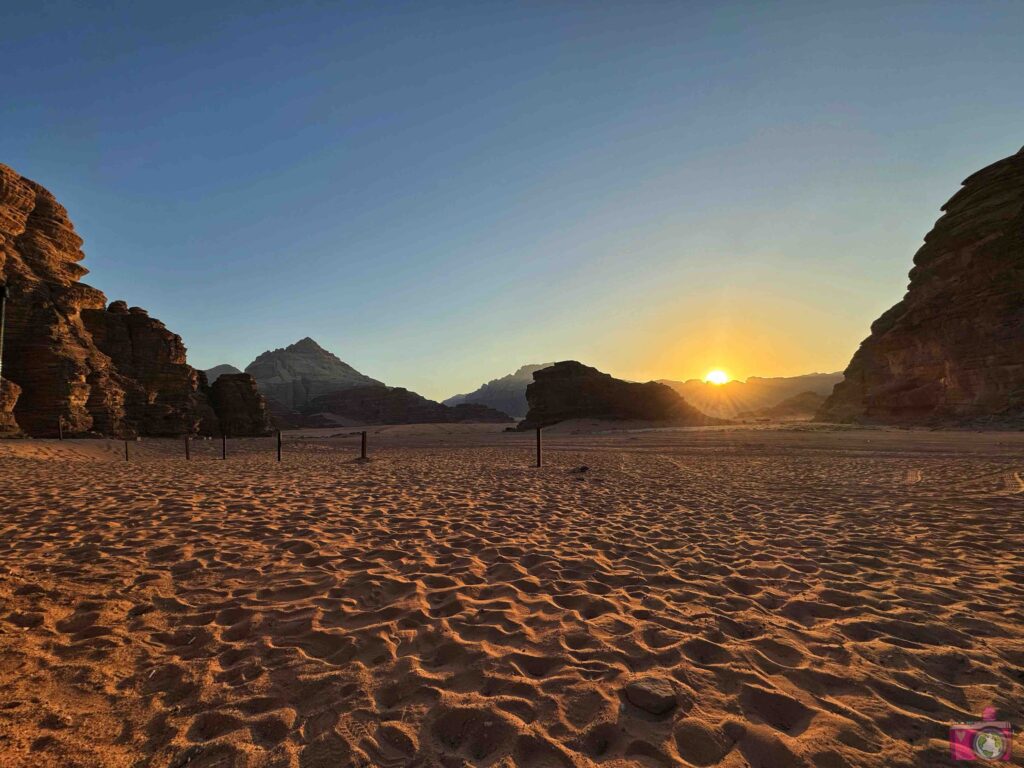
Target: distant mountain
393 405
802 407
507 394
297 374
728 400
571 390
212 374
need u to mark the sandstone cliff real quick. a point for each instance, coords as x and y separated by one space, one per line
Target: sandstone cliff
571 390
952 351
110 370
239 405
301 372
394 405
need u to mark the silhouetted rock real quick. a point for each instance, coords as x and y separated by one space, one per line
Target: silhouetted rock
212 374
952 351
301 372
571 390
241 409
103 369
394 405
9 392
735 397
507 394
802 407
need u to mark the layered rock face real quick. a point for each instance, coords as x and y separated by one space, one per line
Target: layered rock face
571 390
507 394
952 351
240 408
394 405
303 371
98 369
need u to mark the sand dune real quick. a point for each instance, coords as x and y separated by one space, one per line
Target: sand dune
729 597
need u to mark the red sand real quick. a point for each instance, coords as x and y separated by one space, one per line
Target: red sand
791 597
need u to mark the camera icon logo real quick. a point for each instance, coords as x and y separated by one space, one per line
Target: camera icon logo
989 739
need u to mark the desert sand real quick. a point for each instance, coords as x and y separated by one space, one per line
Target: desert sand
736 597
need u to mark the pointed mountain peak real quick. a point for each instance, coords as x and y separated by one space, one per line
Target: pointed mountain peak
306 344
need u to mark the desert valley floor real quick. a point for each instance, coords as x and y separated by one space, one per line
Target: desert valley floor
799 596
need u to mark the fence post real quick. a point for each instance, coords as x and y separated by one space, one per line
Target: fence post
540 460
223 447
362 453
279 445
126 450
60 427
188 456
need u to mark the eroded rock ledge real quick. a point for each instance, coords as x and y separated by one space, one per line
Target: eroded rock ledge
102 369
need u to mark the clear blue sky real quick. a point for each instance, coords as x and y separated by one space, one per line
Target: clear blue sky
440 193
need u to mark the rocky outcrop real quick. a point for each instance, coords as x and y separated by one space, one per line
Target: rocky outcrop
212 374
571 390
99 369
303 371
952 351
394 405
9 392
241 409
802 407
507 394
755 394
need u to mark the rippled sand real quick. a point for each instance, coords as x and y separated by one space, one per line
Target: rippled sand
763 598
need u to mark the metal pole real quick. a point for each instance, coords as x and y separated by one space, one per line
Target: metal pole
279 445
539 455
187 454
126 450
223 447
3 323
363 451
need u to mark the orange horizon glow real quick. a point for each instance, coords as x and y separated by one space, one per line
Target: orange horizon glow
716 376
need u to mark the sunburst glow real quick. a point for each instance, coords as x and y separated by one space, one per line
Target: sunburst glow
716 376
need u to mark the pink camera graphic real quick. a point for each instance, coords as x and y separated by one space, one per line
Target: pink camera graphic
989 739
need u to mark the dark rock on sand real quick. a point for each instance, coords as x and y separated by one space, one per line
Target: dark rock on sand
571 390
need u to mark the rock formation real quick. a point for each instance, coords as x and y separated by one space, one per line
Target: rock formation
241 409
802 407
507 394
97 369
9 392
394 405
952 351
301 372
212 374
571 390
756 393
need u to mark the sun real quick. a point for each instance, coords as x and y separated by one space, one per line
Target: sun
717 376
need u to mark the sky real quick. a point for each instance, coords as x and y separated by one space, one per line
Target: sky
442 192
